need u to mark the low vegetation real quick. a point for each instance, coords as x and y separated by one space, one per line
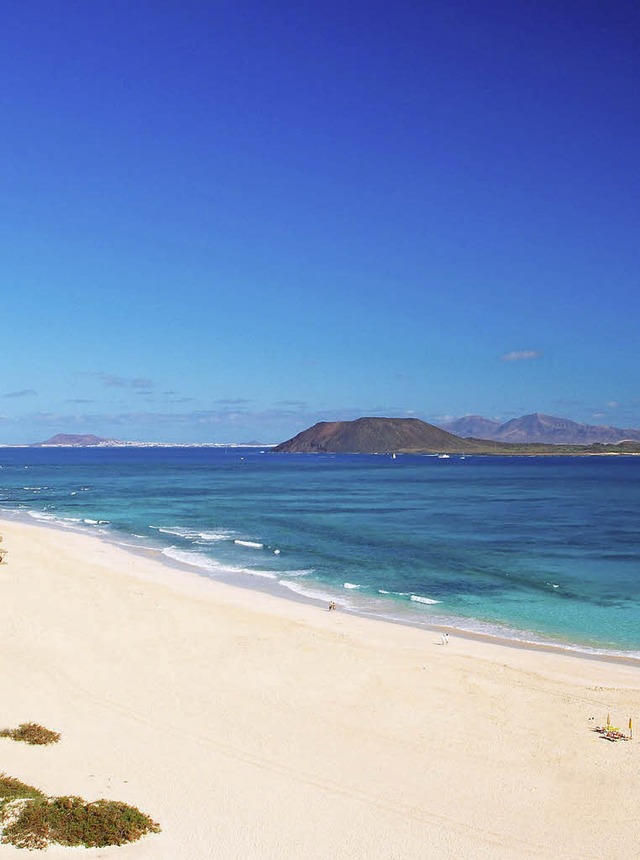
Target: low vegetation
31 733
29 819
12 789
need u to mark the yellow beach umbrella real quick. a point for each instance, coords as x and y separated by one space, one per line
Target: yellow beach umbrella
630 727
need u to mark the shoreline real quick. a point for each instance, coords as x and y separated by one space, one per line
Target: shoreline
257 584
250 726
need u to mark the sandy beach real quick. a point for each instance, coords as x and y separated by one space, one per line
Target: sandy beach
254 727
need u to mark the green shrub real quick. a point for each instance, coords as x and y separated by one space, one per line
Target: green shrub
72 821
12 789
31 733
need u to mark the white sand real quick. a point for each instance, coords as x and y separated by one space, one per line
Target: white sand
253 727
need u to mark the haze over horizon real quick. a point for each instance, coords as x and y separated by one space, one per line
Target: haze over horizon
226 222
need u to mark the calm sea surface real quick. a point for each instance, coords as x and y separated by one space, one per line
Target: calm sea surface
539 549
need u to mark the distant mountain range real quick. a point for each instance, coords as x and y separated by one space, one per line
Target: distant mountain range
410 435
471 434
538 428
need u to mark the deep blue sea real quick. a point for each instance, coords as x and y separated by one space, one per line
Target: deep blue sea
538 549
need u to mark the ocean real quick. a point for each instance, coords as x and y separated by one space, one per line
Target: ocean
542 550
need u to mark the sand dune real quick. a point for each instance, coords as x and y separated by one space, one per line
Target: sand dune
253 727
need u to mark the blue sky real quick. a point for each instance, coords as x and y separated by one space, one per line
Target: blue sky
224 221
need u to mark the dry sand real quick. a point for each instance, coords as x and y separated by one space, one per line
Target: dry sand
253 727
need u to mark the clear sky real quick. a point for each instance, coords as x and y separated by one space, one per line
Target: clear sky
224 220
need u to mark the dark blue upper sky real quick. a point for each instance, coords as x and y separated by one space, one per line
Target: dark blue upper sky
224 221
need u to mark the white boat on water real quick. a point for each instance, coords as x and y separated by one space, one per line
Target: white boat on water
443 456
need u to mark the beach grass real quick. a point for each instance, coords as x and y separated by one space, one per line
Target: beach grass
31 733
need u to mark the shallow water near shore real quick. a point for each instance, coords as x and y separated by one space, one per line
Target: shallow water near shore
533 549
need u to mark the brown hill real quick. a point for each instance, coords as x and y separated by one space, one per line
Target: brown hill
376 436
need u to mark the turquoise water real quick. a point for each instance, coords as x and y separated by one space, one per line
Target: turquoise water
540 549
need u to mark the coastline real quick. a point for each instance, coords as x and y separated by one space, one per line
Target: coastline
251 726
313 596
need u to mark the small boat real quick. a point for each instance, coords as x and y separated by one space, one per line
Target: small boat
443 456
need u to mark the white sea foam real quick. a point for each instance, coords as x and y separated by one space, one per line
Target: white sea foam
42 515
214 536
249 543
202 561
417 599
351 585
90 522
304 591
382 591
264 574
193 534
197 559
179 532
